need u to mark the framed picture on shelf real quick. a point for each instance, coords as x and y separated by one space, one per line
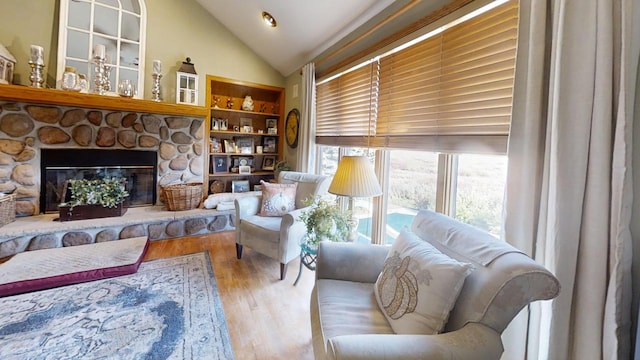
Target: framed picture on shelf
268 163
223 124
272 123
239 186
270 144
216 146
242 161
214 124
229 146
244 170
246 122
244 145
220 164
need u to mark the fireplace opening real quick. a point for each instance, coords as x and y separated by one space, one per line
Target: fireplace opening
139 168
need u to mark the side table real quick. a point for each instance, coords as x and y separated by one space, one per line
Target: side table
308 255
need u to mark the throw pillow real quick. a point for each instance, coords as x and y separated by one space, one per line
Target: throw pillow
277 199
418 286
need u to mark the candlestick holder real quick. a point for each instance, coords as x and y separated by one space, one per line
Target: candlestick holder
36 75
155 92
99 78
107 76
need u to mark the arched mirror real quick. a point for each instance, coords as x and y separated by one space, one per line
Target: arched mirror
119 25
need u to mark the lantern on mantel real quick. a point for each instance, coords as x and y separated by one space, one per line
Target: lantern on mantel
7 65
187 84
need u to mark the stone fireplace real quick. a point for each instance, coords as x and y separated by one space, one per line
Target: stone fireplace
35 122
28 131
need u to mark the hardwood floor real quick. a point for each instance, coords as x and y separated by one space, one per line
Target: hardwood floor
267 318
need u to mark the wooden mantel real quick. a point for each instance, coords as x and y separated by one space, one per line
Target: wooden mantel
92 101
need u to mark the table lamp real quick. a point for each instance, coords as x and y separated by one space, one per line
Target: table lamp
355 178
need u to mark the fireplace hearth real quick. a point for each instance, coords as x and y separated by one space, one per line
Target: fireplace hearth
138 167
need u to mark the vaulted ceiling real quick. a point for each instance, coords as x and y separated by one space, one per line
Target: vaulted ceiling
306 29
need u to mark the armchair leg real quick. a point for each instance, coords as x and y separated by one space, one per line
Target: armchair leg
283 271
238 251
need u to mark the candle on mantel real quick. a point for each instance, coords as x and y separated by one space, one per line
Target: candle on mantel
157 67
37 54
99 51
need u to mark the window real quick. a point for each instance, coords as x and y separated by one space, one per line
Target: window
437 112
119 25
480 191
413 179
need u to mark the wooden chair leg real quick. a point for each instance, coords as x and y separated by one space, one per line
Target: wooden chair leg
238 251
283 271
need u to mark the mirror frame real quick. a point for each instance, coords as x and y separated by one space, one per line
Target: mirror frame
62 45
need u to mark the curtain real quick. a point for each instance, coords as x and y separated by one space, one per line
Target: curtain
306 135
569 186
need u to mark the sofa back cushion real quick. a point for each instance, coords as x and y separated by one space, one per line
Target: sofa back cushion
503 281
418 286
309 185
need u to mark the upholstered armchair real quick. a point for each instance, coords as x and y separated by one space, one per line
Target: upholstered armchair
277 237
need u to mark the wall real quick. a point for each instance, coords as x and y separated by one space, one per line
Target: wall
175 30
291 155
26 22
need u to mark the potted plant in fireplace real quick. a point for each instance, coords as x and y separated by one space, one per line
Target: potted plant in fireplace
91 199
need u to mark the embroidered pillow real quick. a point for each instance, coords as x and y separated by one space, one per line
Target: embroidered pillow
277 199
418 286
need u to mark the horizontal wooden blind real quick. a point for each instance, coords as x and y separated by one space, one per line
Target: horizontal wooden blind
450 92
346 106
458 83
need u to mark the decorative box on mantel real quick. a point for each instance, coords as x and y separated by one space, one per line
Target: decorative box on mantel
7 65
83 212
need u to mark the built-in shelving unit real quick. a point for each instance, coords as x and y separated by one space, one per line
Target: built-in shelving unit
235 134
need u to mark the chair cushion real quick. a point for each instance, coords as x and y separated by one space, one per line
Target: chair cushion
418 286
349 308
264 223
278 199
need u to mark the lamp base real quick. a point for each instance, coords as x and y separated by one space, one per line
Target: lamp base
353 229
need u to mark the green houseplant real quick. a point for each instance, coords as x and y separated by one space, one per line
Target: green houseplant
324 221
94 199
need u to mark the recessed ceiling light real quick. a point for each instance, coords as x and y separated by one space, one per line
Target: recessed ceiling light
269 19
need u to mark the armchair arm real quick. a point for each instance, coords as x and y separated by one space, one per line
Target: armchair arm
350 261
247 206
472 342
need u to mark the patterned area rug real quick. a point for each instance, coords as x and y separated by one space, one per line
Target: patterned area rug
169 309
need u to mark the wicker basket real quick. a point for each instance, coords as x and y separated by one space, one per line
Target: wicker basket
182 196
7 209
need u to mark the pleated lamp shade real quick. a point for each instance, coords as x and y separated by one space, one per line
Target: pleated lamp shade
355 178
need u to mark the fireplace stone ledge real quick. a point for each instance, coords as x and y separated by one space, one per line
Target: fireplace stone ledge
41 231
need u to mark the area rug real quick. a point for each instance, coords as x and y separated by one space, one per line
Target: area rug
169 309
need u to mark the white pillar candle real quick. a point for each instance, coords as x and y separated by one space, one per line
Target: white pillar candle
157 66
99 51
37 54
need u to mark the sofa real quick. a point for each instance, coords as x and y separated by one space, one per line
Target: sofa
347 317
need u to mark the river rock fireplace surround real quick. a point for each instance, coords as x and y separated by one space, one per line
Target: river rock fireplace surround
33 120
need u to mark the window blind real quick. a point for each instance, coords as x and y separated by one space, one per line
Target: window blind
451 92
346 106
